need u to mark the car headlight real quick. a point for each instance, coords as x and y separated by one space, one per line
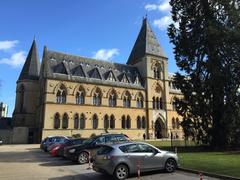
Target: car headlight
72 150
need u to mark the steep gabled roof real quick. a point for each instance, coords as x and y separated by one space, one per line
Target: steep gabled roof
87 70
31 67
146 43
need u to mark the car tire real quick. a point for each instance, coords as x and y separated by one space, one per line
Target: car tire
121 172
83 158
170 165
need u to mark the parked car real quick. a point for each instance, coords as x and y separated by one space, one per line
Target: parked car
121 160
1 142
49 141
56 142
57 149
80 153
70 142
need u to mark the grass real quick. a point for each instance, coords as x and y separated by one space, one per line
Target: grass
224 163
167 143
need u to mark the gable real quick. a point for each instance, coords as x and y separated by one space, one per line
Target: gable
94 73
60 68
78 71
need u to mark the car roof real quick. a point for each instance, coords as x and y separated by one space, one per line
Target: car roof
128 143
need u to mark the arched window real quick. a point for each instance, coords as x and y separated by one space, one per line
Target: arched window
157 102
127 99
65 121
140 101
76 121
139 124
173 123
128 124
177 123
82 121
106 122
80 96
160 103
56 124
153 103
143 122
21 102
174 105
112 99
61 95
123 122
112 121
97 97
156 71
95 122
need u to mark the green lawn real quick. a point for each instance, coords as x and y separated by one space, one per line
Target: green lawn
225 163
167 143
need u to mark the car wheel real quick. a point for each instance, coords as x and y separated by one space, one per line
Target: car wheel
170 165
121 172
83 158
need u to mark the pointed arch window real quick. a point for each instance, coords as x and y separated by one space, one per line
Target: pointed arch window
123 122
112 121
106 122
140 101
112 99
158 103
154 103
143 122
97 99
128 124
65 121
62 95
82 121
174 105
56 124
111 76
173 123
80 96
95 122
177 123
156 71
127 100
76 121
139 123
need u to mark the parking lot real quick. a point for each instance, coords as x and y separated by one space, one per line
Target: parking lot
29 162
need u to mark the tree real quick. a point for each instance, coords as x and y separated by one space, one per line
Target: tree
206 39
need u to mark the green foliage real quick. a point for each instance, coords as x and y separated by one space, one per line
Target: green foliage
93 135
206 39
76 135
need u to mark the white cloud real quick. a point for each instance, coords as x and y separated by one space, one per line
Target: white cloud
163 6
6 45
106 54
163 22
16 59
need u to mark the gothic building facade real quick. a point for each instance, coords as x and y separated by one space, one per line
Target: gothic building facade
68 94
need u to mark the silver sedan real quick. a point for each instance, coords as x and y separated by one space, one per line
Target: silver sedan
120 160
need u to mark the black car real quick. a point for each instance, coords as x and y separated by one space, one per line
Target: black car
80 153
69 142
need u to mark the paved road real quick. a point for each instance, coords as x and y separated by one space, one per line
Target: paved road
29 162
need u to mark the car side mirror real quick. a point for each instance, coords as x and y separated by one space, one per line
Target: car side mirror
155 152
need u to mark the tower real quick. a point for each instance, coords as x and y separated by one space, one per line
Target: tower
27 96
148 56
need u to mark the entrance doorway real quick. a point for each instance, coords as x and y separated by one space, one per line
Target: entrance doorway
158 129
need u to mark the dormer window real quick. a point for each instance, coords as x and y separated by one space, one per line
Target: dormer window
111 77
137 81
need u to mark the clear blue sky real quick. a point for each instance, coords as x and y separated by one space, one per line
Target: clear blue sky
77 27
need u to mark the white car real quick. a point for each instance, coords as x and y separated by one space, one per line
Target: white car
1 142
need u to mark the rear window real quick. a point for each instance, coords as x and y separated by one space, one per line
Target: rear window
131 148
104 150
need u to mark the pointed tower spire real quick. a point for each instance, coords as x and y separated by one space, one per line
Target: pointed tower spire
31 66
146 43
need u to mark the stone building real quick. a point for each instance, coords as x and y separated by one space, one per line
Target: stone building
70 95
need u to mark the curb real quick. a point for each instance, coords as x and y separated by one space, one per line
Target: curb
209 174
